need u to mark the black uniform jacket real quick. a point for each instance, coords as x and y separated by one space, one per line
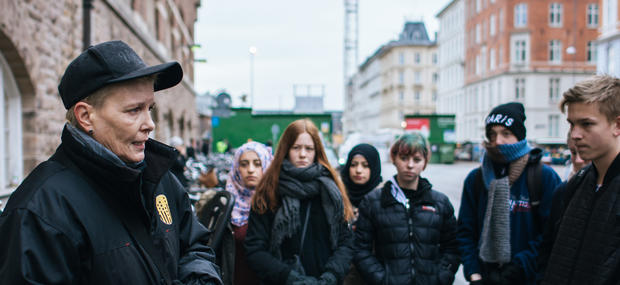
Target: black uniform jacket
396 245
57 228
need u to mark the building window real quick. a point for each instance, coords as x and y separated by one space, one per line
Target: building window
520 54
611 64
417 77
610 8
555 51
401 58
478 6
520 89
434 96
591 52
520 15
501 20
416 95
554 125
554 90
478 32
417 57
435 77
401 96
11 156
492 59
592 15
492 25
434 58
555 15
401 77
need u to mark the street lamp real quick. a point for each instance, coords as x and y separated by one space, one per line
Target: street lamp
252 51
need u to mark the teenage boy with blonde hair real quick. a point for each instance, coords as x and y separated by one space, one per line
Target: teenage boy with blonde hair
587 245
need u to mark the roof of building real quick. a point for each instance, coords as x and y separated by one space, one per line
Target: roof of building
413 34
446 8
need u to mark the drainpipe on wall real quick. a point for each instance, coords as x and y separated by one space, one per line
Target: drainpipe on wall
87 6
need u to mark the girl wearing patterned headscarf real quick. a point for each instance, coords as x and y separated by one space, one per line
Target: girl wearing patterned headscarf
249 163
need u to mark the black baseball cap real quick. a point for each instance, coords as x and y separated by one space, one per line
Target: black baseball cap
111 62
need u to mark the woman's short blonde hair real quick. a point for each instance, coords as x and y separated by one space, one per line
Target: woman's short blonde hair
601 89
97 98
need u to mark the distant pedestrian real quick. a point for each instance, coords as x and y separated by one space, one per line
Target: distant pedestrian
586 249
105 209
360 175
251 160
576 163
500 222
178 167
298 228
406 231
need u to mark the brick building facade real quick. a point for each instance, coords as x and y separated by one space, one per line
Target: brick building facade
609 38
39 38
529 51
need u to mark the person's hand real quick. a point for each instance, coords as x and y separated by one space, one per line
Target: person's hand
512 273
328 278
475 279
294 278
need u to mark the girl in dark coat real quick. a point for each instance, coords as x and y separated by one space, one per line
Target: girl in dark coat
298 228
361 174
406 232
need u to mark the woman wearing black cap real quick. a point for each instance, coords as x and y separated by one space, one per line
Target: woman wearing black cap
105 209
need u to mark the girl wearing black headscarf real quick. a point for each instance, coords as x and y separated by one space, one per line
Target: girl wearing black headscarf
360 175
362 172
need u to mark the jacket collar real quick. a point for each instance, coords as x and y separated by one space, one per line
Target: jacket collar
612 171
424 188
104 167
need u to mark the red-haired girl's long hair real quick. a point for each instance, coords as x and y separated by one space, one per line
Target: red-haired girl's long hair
266 196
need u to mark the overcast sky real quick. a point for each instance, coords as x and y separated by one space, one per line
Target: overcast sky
297 42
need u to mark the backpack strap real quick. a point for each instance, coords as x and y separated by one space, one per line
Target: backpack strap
534 188
534 184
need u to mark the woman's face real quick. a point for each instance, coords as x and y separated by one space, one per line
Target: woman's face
250 169
302 153
359 171
123 122
576 160
409 167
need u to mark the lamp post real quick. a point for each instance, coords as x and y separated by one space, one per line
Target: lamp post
252 51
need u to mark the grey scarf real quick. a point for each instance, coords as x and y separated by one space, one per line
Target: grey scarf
298 184
495 237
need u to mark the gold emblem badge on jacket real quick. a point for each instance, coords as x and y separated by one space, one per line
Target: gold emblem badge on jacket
162 208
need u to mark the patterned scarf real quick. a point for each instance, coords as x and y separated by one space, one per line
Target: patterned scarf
234 183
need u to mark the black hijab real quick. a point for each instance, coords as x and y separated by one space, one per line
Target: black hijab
355 191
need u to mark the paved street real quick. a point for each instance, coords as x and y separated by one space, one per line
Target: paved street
448 178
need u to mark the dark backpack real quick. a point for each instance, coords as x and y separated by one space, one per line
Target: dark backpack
534 187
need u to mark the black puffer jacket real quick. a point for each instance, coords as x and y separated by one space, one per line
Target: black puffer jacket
410 247
58 229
